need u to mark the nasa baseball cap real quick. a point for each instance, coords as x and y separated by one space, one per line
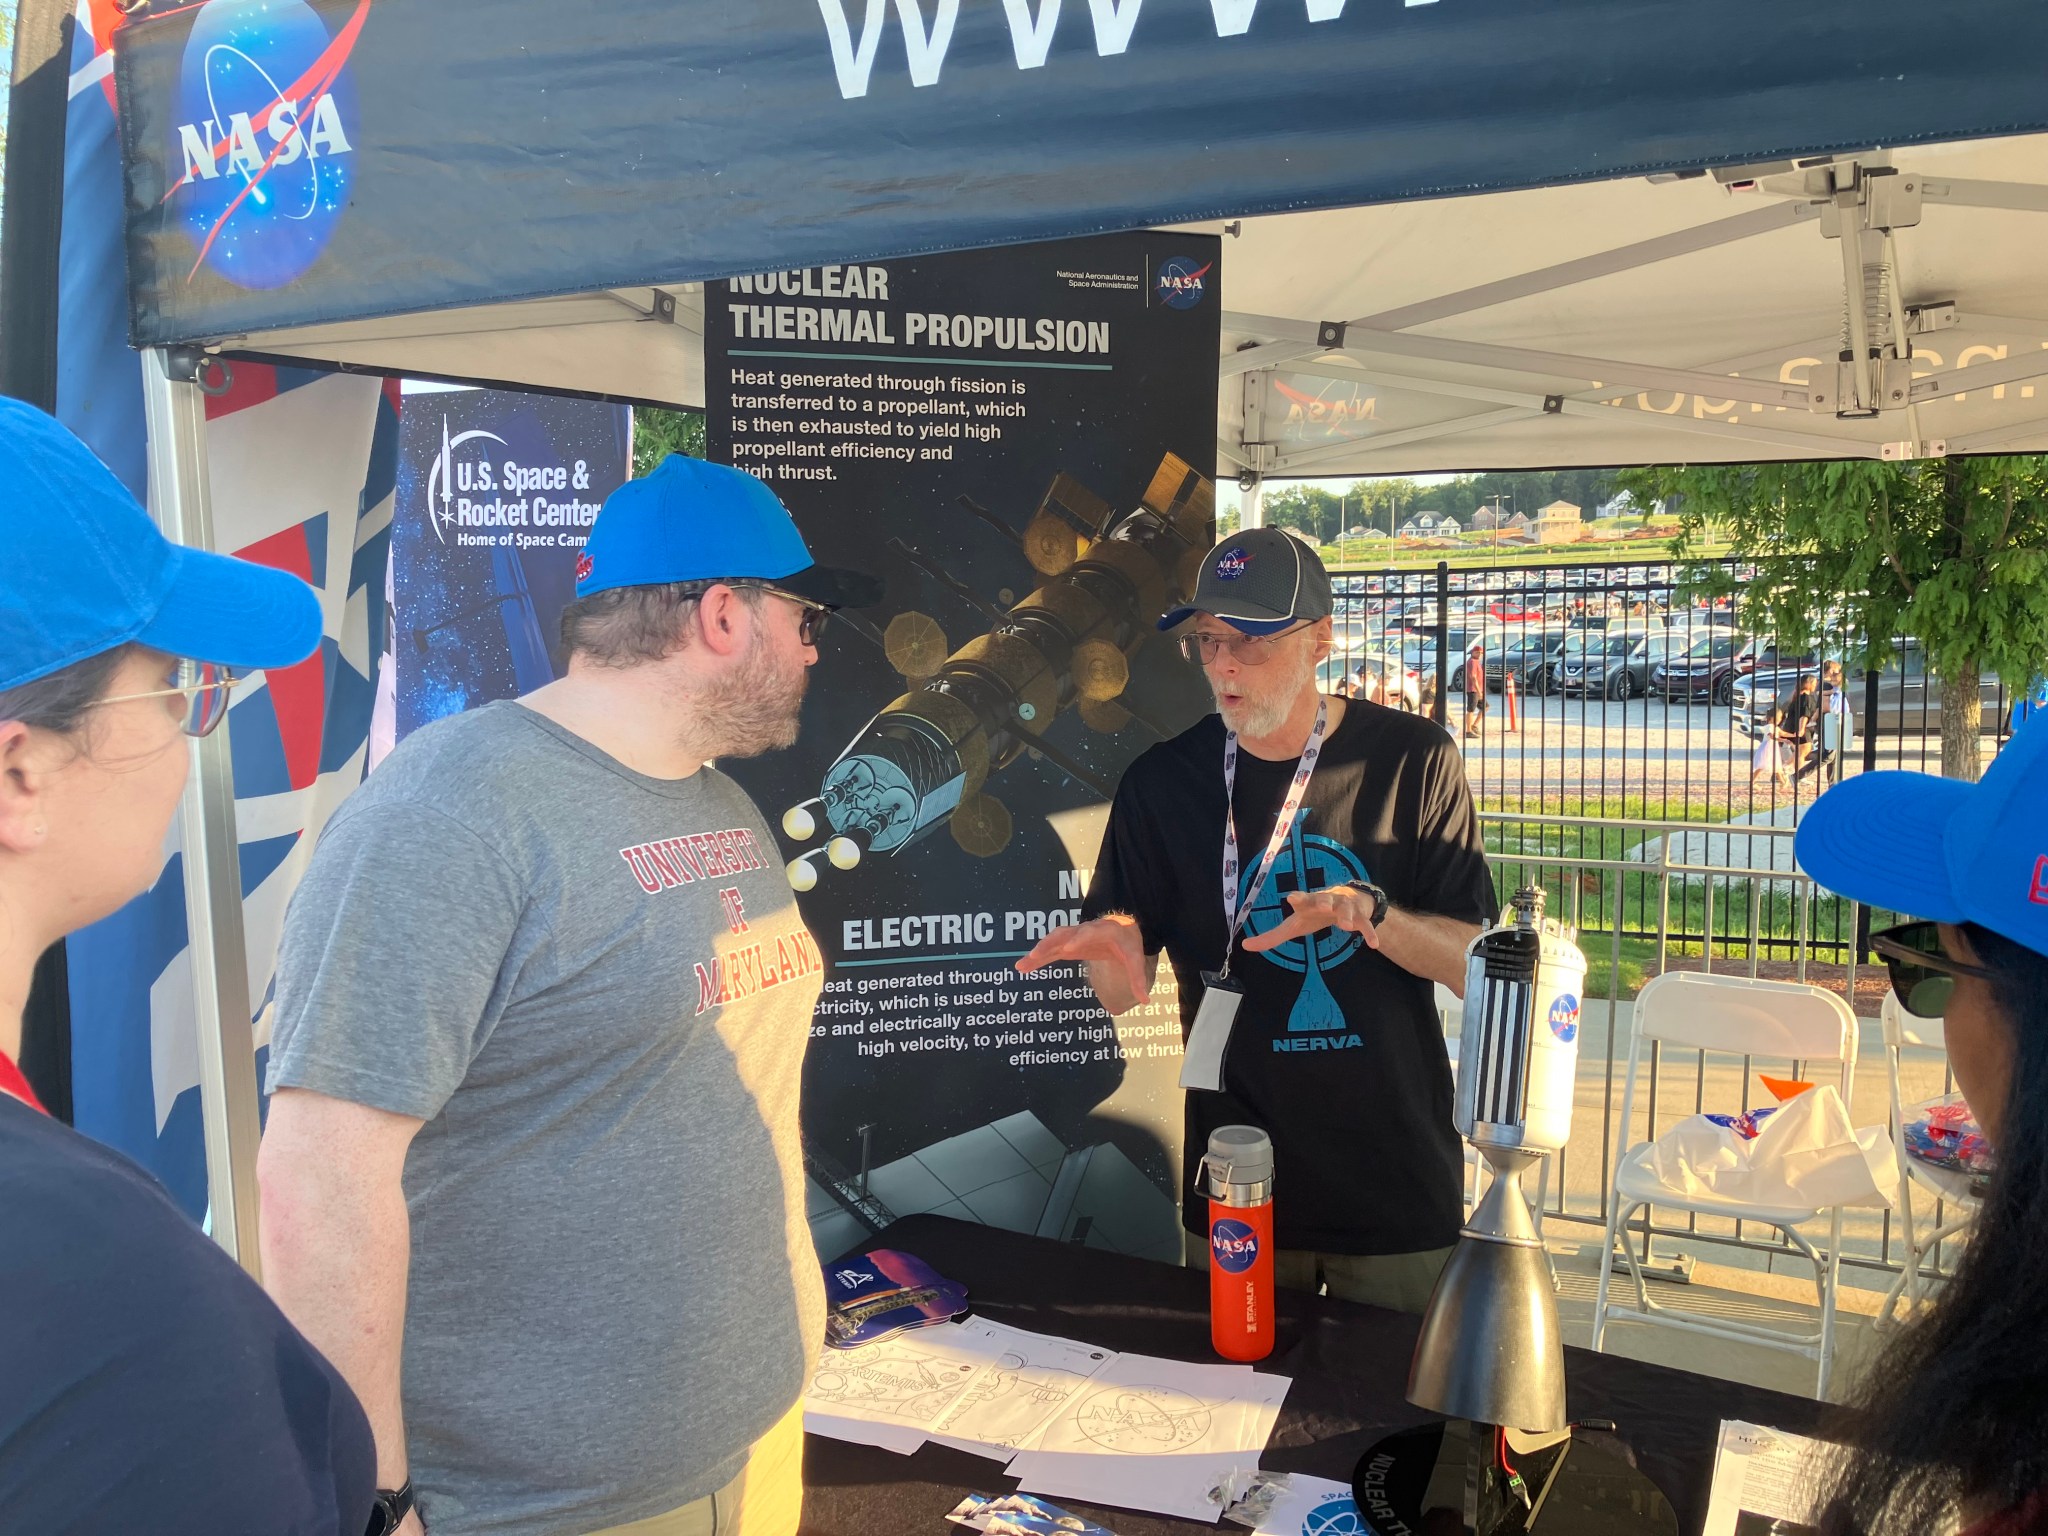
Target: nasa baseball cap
1942 849
1259 581
692 520
88 570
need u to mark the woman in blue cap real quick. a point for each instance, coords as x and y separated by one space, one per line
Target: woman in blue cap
1952 1423
146 1382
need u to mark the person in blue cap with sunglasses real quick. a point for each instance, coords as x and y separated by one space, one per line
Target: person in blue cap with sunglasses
1951 1424
532 1172
146 1382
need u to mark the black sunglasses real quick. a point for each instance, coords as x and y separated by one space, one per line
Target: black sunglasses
1923 975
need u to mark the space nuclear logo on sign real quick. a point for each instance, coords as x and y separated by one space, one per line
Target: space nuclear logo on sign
1181 283
266 132
1233 1245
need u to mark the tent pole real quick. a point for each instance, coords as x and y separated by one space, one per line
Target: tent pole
174 409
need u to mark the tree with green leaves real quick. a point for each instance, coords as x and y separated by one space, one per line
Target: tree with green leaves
1951 552
658 433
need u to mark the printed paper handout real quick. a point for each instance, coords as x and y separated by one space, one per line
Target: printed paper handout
1765 1483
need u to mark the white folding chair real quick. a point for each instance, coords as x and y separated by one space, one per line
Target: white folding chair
1732 1014
1903 1029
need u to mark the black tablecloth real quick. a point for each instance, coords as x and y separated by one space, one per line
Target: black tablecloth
1349 1364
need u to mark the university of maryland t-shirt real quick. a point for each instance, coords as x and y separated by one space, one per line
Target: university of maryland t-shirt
1336 1052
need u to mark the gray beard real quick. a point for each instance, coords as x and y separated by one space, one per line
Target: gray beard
754 708
1264 719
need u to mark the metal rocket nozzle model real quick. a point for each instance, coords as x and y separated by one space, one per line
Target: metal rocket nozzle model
924 759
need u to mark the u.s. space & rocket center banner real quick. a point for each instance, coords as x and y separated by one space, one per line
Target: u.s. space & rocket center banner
1006 438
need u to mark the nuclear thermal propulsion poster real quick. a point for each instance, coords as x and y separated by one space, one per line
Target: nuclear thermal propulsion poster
1018 442
497 490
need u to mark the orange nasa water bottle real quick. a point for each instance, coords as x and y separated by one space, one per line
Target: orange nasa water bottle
1238 1178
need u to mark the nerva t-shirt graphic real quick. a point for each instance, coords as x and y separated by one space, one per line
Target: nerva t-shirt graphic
1337 1052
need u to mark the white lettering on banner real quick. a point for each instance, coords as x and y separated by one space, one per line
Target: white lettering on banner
1031 39
924 48
288 134
1797 371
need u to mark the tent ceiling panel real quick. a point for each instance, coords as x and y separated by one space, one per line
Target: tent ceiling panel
1608 312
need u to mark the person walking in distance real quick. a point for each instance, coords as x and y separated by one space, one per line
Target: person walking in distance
1475 690
532 1172
1352 876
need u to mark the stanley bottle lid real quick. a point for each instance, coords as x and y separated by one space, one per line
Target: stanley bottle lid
1240 1154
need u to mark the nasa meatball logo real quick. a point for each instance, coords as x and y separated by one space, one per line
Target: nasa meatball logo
1181 283
1233 1245
1232 563
265 137
1564 1018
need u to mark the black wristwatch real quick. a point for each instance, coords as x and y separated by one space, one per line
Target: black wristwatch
1380 901
390 1510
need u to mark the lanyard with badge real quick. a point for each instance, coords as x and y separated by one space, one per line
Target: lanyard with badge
1202 1064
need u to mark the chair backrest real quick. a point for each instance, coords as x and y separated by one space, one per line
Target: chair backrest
1745 1017
1902 1029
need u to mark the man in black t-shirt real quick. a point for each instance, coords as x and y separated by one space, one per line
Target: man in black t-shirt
1379 883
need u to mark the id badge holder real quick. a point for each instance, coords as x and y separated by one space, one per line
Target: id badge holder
1201 1064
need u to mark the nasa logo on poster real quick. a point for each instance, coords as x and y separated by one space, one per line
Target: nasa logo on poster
1181 283
266 129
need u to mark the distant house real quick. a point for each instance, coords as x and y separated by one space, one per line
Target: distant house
1427 521
1484 520
1559 523
1447 528
1373 533
1411 529
1517 522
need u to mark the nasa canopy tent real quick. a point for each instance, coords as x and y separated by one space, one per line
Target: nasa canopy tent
526 192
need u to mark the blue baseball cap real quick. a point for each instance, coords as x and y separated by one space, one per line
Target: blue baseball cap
88 570
693 520
1942 849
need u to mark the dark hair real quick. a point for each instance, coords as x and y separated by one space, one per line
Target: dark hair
59 701
1956 1411
624 626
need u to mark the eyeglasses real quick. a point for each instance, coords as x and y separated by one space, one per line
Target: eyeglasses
201 690
1245 650
1923 975
810 622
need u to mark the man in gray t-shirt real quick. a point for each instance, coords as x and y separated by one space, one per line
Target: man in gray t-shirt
541 1010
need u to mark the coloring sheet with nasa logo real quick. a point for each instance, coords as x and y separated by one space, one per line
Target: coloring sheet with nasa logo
1013 1397
1156 1434
910 1379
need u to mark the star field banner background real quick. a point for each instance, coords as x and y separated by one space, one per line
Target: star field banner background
296 161
1004 437
497 490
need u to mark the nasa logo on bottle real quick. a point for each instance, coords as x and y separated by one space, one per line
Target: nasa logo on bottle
1564 1018
1233 1245
1232 563
264 138
1181 283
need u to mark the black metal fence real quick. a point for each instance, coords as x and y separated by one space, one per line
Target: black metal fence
1614 690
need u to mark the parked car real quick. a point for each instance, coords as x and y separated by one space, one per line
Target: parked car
1703 672
1527 656
1908 695
1336 672
1614 662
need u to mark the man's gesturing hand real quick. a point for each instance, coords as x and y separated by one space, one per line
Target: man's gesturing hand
1112 943
1340 906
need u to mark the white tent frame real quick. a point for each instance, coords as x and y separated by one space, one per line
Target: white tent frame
582 346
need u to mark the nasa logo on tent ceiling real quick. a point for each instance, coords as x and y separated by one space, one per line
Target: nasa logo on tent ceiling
265 138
